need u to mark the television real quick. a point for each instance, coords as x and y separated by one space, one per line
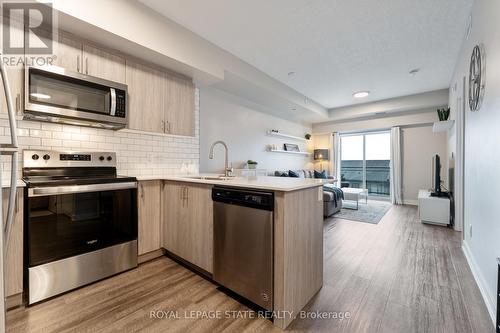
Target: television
436 175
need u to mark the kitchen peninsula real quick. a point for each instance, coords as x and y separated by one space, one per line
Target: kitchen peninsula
187 231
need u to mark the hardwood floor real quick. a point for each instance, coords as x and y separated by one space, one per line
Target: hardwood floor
397 276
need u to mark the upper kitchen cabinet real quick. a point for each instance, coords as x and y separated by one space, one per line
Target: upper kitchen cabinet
145 97
100 63
68 52
15 75
179 106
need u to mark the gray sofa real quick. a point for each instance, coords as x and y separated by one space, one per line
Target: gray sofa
330 205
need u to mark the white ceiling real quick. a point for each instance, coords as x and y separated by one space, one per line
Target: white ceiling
335 47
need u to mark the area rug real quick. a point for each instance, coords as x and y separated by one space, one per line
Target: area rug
368 213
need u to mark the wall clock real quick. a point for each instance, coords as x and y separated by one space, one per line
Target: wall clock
476 78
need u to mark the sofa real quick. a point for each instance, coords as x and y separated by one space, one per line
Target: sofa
331 204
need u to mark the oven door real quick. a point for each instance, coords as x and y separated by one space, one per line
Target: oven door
66 221
56 92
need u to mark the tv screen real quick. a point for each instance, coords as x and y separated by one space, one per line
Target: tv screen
436 171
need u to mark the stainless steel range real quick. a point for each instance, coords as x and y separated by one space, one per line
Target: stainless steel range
80 220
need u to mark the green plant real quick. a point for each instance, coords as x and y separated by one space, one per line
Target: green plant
443 114
307 136
252 162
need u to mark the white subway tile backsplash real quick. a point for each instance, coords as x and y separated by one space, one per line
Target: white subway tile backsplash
137 153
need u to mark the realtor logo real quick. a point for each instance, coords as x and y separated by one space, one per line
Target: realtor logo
35 19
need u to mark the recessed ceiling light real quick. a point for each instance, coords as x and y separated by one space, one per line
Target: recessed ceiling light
414 72
361 94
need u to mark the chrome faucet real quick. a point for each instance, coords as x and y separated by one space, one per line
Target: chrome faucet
227 169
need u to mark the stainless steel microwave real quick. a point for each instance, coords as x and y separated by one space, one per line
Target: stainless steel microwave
55 94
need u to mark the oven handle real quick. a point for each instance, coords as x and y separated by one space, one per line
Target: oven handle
69 189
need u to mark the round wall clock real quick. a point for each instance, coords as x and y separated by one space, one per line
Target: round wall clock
476 78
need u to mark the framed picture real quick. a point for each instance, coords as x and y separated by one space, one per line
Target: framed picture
291 147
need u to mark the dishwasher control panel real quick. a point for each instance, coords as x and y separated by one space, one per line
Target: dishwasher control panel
254 199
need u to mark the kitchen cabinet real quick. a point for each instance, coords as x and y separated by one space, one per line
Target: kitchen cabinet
179 105
145 97
187 222
102 64
14 251
149 203
68 52
16 77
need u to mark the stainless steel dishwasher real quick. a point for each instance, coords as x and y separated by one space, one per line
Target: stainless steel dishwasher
243 243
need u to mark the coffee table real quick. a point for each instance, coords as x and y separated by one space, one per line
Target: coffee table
354 194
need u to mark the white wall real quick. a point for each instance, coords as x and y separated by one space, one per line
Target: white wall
482 160
419 145
226 117
138 153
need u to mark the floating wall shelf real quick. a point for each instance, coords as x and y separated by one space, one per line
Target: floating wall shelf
442 126
290 152
286 136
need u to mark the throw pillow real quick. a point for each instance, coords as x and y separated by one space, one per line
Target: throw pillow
320 175
293 174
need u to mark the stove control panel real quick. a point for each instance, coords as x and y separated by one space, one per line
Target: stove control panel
53 159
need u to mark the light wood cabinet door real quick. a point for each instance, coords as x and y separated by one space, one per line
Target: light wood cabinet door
179 106
16 77
149 199
68 52
102 64
187 229
145 98
200 226
174 215
14 251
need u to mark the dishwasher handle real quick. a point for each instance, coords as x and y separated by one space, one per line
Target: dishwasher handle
245 198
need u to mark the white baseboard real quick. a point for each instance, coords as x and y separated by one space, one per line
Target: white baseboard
481 282
410 202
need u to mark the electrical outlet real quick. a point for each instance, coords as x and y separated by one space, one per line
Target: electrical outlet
470 230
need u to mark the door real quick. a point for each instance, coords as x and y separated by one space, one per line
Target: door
146 88
187 227
103 64
174 215
65 225
199 229
14 252
365 162
67 51
179 106
149 199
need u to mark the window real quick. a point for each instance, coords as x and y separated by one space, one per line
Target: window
365 162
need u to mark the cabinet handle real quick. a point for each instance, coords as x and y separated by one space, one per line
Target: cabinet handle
163 126
18 103
17 205
142 191
87 65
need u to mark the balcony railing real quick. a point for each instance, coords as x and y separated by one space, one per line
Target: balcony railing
377 176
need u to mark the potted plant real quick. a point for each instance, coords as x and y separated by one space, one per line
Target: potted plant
443 114
307 136
252 164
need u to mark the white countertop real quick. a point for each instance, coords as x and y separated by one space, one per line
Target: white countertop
282 184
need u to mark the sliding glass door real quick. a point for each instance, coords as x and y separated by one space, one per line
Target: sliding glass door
365 162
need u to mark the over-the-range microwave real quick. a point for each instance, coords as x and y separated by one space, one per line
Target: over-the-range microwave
57 95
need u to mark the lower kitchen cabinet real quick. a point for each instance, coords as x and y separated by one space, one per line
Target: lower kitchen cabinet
14 251
187 222
149 202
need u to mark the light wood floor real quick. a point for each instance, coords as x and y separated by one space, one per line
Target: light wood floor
397 276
